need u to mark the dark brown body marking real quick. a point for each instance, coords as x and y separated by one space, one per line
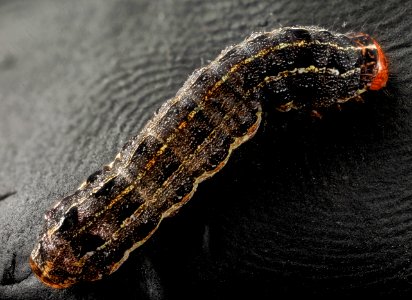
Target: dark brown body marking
90 233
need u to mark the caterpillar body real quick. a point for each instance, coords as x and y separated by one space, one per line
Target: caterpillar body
90 233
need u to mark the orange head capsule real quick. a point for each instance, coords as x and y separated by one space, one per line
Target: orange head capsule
381 76
374 65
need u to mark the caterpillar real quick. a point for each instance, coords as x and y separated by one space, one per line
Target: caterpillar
90 233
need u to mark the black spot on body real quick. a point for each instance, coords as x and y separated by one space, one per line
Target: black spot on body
126 210
217 151
185 186
198 129
300 34
86 242
106 189
115 250
103 197
167 166
164 166
70 219
94 176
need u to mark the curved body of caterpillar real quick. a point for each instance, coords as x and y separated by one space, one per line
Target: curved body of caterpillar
90 233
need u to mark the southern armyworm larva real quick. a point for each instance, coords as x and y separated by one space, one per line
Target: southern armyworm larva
90 233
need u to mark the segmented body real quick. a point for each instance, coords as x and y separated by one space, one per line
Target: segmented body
90 233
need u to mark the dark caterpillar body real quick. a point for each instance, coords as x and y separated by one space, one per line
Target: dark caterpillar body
90 233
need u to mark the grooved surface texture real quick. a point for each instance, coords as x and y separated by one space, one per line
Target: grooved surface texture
315 207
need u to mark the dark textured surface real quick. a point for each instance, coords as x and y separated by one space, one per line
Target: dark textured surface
320 207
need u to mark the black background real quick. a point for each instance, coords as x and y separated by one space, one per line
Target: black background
306 207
